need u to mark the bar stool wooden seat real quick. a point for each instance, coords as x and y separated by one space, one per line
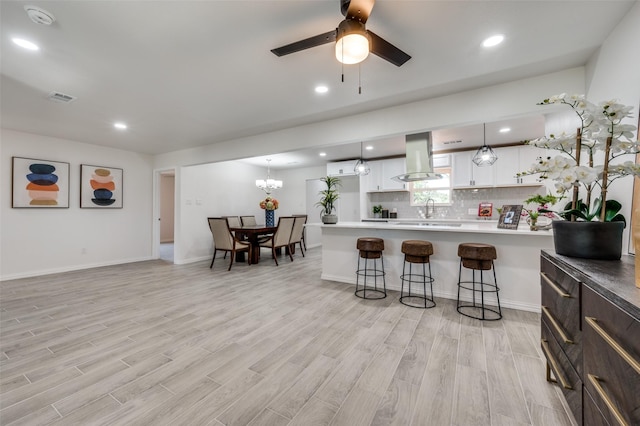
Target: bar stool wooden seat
478 257
370 251
417 252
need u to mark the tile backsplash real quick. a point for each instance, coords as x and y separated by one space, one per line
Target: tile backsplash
462 201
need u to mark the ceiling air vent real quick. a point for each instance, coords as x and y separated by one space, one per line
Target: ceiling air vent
451 142
61 97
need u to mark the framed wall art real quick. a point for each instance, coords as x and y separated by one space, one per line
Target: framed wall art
39 183
100 187
510 216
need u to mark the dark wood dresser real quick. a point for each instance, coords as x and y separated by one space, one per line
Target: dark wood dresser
590 335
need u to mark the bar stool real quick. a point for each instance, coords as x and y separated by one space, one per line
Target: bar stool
478 257
418 252
370 249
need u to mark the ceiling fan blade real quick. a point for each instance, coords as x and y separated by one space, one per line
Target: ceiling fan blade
307 43
357 9
387 51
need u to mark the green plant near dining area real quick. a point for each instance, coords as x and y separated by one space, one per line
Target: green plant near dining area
329 196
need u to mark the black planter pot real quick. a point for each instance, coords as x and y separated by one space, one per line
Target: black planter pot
588 240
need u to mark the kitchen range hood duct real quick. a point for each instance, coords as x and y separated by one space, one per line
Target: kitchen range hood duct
419 159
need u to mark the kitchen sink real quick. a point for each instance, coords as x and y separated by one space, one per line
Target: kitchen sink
429 224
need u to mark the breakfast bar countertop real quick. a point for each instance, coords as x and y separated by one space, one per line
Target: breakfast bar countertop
444 225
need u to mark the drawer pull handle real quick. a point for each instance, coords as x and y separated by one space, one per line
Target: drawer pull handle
554 285
555 324
554 365
615 345
607 400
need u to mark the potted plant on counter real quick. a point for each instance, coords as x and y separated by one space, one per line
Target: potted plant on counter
377 211
593 228
328 197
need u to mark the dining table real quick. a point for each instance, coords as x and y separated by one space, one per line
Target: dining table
252 233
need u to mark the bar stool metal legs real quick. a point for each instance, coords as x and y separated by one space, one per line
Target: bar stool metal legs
417 252
370 253
478 258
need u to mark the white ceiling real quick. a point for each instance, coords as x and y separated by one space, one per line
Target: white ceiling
190 73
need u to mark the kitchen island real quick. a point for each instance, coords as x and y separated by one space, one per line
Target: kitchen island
517 266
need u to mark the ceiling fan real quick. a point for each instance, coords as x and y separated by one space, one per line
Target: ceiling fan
353 41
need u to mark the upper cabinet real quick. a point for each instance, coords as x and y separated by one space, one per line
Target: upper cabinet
513 160
341 168
390 168
466 173
381 172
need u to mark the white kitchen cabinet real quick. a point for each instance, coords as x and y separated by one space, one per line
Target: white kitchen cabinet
341 168
466 173
381 172
390 168
513 160
373 181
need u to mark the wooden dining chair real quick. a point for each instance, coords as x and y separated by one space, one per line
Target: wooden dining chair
281 237
248 220
297 233
224 240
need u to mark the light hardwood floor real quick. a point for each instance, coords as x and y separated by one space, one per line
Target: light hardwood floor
153 343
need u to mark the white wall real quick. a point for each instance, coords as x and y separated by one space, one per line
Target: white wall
292 196
614 73
42 241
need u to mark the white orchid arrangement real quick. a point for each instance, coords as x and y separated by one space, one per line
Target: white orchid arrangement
601 130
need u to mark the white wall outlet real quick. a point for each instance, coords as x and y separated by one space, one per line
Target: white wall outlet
472 211
187 202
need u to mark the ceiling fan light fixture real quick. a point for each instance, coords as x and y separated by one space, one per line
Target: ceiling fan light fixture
352 43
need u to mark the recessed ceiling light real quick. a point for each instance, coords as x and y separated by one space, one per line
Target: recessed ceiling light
323 154
368 147
493 40
505 129
322 89
26 44
120 126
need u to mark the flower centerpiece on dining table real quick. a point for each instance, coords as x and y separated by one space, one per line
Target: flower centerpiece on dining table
601 136
269 204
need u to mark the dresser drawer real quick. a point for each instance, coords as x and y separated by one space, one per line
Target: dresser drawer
611 359
592 414
565 376
560 296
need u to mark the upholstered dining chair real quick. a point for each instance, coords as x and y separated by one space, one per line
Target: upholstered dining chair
248 220
233 221
281 237
304 230
224 240
297 233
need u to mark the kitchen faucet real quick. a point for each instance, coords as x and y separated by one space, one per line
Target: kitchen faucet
428 213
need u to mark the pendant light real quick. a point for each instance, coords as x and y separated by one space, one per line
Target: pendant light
362 167
485 155
269 184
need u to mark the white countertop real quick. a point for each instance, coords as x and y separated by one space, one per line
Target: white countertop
443 225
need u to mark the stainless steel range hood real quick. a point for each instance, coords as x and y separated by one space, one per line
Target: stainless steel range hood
419 159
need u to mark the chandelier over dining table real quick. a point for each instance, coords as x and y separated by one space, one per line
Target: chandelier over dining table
268 184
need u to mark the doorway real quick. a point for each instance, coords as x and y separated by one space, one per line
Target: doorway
166 216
